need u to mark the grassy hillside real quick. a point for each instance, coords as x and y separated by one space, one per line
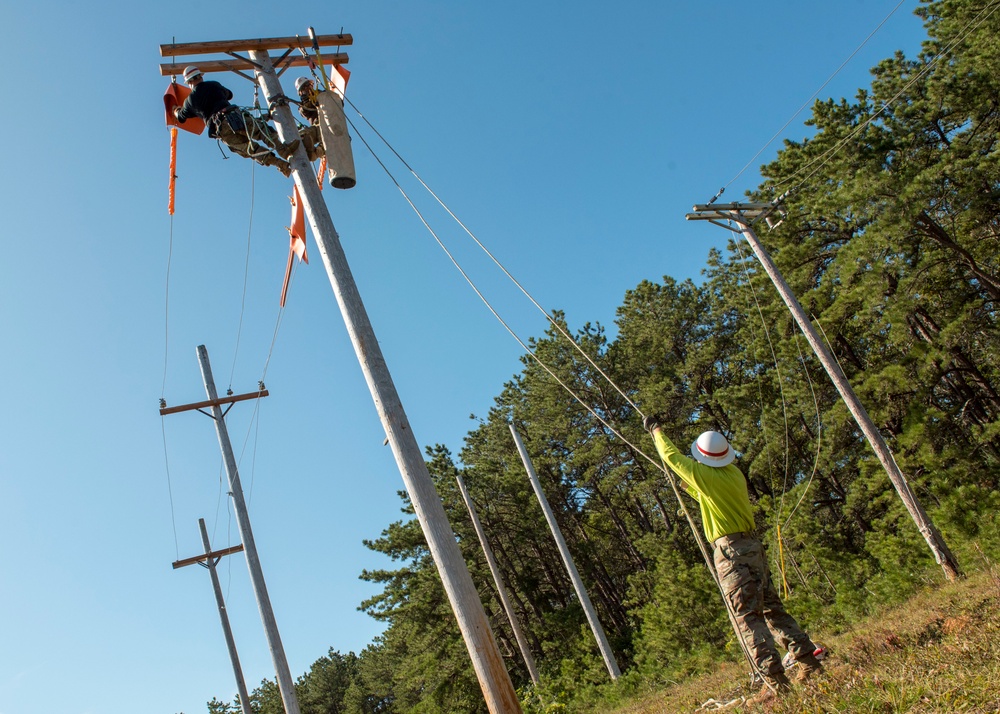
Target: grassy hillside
938 653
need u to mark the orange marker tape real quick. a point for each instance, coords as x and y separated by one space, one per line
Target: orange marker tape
173 168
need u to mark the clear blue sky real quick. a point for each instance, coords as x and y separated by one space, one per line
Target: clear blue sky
570 137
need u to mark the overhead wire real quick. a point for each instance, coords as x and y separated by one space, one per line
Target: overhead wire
635 449
163 386
246 271
542 310
827 155
811 98
784 413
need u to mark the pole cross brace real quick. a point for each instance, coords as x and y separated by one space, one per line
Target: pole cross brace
217 554
230 400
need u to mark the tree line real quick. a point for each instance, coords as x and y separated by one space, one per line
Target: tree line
890 237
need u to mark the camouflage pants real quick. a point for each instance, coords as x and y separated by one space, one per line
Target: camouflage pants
760 616
243 138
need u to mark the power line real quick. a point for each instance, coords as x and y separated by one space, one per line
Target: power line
811 98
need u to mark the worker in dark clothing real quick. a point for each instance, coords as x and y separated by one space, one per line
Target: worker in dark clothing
309 110
210 101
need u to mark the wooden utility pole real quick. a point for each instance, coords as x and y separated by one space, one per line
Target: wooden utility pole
574 575
744 216
522 642
210 560
498 690
286 684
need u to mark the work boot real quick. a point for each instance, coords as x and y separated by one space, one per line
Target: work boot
774 686
807 667
285 151
284 167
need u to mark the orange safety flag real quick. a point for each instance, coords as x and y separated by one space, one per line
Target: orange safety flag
297 236
173 169
339 77
174 97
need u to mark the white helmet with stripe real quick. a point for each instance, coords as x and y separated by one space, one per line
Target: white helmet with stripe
712 449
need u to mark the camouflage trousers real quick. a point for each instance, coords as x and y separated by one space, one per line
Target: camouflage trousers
244 137
760 615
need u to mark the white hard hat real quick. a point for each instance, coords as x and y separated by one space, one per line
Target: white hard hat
191 72
300 81
712 449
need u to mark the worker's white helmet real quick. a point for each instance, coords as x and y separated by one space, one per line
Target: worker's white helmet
300 81
191 72
712 449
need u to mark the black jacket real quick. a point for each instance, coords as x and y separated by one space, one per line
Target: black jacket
206 99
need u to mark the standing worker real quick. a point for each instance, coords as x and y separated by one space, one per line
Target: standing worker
309 110
210 101
720 489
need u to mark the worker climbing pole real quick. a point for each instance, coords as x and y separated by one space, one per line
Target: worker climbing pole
498 690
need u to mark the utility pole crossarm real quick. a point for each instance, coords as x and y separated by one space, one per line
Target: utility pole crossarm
230 47
232 399
175 49
207 556
232 65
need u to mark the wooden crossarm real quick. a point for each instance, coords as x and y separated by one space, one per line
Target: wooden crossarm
206 556
206 66
176 49
213 402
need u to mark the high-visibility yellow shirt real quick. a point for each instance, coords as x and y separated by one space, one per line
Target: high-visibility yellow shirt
720 491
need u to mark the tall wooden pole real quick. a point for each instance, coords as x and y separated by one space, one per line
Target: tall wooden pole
574 575
286 684
498 690
210 563
522 643
942 554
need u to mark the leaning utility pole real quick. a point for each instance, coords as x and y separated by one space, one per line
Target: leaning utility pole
498 690
210 559
286 685
522 642
574 574
745 215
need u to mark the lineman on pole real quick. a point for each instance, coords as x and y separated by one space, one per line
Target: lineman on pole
720 489
210 101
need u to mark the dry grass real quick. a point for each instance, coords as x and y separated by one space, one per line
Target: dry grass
938 654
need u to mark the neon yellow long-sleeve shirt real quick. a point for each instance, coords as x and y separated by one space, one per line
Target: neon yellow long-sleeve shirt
721 492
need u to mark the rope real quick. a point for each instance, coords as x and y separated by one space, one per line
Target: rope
830 153
814 95
493 311
819 435
777 368
246 270
638 451
496 262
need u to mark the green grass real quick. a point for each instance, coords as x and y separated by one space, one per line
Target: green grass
938 653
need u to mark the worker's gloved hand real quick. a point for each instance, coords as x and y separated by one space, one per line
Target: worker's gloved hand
651 422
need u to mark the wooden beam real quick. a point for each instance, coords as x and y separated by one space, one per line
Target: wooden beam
213 402
205 556
206 66
175 49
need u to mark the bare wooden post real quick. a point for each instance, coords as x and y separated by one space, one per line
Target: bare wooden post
740 214
498 690
574 575
286 684
210 563
522 643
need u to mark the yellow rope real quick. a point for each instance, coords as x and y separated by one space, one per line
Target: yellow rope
781 561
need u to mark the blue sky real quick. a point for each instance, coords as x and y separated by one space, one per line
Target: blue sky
571 138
